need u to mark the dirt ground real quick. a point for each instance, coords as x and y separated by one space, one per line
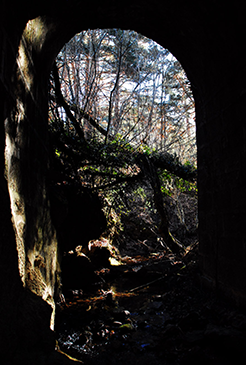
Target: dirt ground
149 307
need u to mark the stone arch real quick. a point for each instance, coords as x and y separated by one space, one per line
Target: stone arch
202 37
200 42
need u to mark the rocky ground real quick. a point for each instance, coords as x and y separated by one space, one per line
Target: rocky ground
149 307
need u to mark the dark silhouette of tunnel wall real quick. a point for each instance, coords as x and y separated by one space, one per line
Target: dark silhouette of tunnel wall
209 41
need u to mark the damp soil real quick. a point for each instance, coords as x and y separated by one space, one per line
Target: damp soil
151 310
150 307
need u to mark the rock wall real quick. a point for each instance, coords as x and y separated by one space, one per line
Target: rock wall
209 41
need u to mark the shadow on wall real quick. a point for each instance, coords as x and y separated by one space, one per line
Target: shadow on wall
77 217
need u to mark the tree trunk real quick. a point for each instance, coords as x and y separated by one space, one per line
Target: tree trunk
151 172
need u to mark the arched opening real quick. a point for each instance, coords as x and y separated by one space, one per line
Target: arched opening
128 102
200 36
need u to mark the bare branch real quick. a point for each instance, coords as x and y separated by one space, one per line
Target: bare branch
64 104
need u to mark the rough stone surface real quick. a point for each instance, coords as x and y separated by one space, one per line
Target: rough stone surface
209 40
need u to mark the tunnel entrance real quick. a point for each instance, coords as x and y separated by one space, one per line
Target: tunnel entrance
122 125
129 295
120 289
203 39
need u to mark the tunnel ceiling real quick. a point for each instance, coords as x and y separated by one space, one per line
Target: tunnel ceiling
186 31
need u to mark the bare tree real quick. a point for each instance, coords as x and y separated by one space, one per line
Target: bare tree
120 110
134 89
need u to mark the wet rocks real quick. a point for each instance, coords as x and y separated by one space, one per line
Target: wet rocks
169 321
